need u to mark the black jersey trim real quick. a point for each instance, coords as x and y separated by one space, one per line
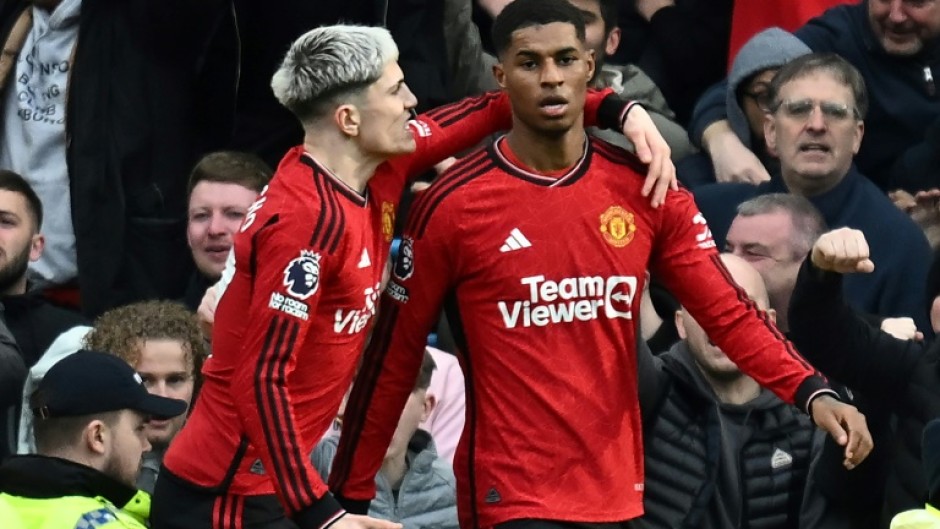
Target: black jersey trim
359 199
574 174
464 171
448 115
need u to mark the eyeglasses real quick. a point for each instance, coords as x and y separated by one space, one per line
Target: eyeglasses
831 110
760 93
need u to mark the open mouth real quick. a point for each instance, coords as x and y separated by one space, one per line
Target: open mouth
553 105
815 148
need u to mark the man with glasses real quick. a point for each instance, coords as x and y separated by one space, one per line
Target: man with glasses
814 127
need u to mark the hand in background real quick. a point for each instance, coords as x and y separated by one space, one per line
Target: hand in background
844 251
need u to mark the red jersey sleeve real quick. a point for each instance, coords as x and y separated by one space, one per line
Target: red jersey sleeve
448 130
409 310
685 258
286 274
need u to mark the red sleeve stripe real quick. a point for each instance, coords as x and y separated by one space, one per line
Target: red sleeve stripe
751 306
475 165
273 409
361 396
325 228
447 115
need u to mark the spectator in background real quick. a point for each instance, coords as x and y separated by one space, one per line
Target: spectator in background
774 233
817 106
900 375
720 451
222 187
112 184
446 420
472 67
91 409
33 320
895 45
415 487
161 342
746 100
681 44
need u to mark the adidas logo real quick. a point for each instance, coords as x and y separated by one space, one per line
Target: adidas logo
492 496
364 261
780 459
515 241
257 468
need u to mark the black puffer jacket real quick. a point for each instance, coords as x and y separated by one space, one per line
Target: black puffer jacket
691 478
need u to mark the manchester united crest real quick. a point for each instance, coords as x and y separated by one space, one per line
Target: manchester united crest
388 221
617 226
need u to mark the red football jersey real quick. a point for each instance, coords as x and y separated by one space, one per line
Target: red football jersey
293 321
542 278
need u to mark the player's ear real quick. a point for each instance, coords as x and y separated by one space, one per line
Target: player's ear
348 119
591 64
500 74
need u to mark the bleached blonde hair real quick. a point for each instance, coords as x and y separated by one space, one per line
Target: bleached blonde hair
331 63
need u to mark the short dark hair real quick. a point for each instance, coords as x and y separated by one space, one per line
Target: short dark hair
521 14
231 167
56 434
808 223
610 13
841 69
424 376
17 184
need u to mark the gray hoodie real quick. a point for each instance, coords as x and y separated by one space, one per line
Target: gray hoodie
771 48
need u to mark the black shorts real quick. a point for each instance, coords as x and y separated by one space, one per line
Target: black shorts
181 505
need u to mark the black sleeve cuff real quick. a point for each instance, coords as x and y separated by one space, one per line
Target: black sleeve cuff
354 506
810 389
613 111
321 514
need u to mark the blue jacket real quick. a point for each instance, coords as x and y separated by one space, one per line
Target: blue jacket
898 247
902 104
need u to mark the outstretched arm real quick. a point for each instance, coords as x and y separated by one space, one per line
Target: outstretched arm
833 336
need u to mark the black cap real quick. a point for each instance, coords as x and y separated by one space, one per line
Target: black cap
89 382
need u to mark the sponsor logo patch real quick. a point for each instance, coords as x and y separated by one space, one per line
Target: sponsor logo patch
397 292
289 306
703 238
355 320
405 264
570 299
302 275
